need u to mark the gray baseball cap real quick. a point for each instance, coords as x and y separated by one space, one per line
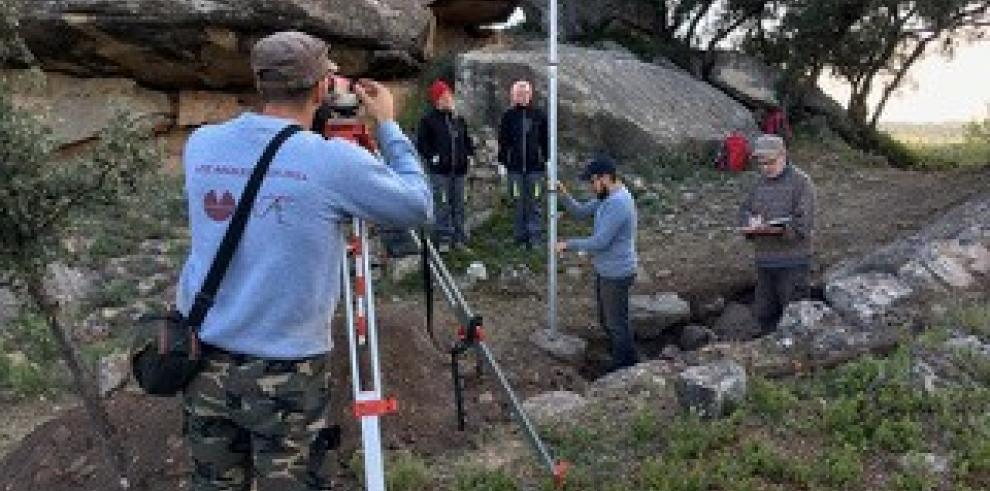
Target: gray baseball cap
290 60
768 146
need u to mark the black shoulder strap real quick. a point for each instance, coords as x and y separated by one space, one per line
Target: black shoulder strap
204 299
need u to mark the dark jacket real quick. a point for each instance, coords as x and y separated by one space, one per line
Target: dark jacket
444 143
523 140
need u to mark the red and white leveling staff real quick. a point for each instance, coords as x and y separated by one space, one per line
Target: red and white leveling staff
359 300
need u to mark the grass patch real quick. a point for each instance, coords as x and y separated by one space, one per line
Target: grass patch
493 244
951 155
158 212
476 479
406 472
29 358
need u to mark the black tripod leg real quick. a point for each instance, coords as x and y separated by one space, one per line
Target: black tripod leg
427 286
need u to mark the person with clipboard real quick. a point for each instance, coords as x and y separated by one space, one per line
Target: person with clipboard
778 218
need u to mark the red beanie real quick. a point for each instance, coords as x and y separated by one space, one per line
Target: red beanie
437 90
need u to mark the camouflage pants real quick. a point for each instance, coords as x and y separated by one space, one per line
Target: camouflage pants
258 424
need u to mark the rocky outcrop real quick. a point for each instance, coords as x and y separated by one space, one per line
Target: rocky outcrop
951 254
745 78
204 43
77 109
607 100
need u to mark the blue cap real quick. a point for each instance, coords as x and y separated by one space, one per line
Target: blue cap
598 165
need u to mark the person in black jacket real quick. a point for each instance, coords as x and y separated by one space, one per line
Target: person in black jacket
445 146
522 149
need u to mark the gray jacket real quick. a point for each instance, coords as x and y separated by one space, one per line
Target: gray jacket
789 196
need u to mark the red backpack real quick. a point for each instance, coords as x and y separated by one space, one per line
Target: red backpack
735 152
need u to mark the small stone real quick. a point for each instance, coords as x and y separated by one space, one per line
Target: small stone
115 371
486 398
694 337
477 271
929 463
712 390
566 348
551 407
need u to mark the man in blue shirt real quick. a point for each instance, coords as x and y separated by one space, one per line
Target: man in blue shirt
613 246
256 412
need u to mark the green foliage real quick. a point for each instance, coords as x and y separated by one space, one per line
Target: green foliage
897 153
914 480
28 358
770 400
474 479
41 197
12 47
658 474
690 437
769 464
840 466
686 162
873 402
645 426
405 472
978 131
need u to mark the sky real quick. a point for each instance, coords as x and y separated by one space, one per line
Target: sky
938 89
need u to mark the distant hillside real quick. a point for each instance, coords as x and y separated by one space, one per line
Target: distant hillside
929 133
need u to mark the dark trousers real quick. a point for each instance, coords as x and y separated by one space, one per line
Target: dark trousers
775 289
613 314
526 192
448 205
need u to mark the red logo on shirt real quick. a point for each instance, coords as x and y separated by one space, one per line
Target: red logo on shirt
219 209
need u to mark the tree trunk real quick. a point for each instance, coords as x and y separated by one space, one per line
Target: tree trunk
709 62
889 89
85 385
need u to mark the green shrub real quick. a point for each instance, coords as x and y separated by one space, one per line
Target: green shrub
644 426
840 466
29 358
474 479
769 400
405 472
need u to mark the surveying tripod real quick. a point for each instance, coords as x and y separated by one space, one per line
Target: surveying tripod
338 120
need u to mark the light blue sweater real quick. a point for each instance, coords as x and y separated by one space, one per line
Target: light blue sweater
283 284
613 242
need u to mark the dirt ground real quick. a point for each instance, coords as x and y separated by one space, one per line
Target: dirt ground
692 252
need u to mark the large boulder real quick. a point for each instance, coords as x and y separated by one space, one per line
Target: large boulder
864 299
607 100
650 315
813 329
750 80
554 407
77 109
745 78
967 224
203 43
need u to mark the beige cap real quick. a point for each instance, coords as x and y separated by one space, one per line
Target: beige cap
768 146
290 60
